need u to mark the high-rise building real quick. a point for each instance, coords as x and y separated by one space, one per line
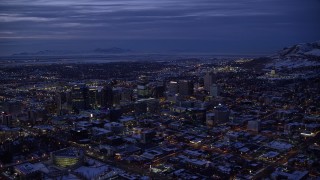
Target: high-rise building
147 136
142 88
172 87
107 97
126 94
61 102
32 116
140 107
142 91
149 105
117 93
214 90
6 119
209 79
94 96
12 107
157 91
221 114
80 97
36 116
185 88
197 115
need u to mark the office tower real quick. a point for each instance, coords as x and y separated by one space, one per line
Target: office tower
116 96
153 105
172 97
36 116
142 88
61 101
147 136
80 97
143 106
126 94
140 107
32 116
214 90
94 96
6 119
172 87
209 79
185 88
196 115
157 91
221 114
107 97
12 107
142 91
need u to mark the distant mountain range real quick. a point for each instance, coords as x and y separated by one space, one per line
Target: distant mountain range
296 56
301 50
112 50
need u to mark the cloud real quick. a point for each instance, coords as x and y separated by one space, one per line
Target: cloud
157 19
20 17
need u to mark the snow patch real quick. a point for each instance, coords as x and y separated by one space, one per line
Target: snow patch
314 52
291 63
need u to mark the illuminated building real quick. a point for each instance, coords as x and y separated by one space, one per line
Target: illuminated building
172 87
142 89
6 119
149 105
79 97
94 96
67 158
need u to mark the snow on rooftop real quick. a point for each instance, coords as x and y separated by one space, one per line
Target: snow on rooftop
92 172
69 177
281 146
270 154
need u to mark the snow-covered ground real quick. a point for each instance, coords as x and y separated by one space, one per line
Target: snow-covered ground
313 52
291 63
92 172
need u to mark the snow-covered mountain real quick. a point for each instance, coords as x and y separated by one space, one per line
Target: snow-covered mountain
301 50
296 56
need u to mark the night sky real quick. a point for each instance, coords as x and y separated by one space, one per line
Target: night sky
213 26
